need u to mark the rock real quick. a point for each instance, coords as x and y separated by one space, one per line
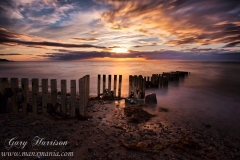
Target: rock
151 98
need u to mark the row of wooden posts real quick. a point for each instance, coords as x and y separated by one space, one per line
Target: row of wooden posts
138 84
161 80
109 88
84 86
137 87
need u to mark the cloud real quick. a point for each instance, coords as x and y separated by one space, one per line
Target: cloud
207 54
10 54
85 39
233 44
138 46
10 37
178 22
183 29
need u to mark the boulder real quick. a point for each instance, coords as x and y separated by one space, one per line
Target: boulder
151 98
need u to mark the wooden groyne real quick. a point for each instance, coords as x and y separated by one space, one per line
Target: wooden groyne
162 80
23 100
139 84
107 91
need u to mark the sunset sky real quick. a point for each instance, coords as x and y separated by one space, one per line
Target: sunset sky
43 30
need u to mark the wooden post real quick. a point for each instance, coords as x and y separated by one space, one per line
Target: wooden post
109 82
44 96
73 97
82 96
25 91
88 87
119 86
115 86
165 81
134 86
63 96
54 92
3 86
99 84
160 81
85 88
153 78
157 81
104 83
35 86
144 86
140 86
148 78
177 75
14 86
130 85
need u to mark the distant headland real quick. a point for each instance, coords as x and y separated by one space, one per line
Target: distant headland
5 60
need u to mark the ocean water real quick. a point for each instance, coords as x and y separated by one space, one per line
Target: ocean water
209 95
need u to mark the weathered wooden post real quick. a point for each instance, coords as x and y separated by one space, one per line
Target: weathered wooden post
160 81
109 82
144 86
115 86
35 87
63 96
14 86
73 97
135 86
165 81
130 86
177 75
86 91
119 86
88 87
99 84
140 86
54 92
82 96
3 86
25 91
153 80
104 83
44 96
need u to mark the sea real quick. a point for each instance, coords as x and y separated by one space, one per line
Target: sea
210 94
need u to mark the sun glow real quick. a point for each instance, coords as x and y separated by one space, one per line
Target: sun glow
120 50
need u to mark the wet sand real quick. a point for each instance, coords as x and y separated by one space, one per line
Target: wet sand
110 135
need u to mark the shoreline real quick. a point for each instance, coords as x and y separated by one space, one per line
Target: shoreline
109 135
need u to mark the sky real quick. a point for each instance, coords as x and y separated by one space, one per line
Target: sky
73 30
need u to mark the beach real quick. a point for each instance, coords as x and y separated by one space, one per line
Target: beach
108 133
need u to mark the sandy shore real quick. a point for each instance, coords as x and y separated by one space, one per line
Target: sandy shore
112 133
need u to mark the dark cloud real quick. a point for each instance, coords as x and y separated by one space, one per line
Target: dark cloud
233 44
85 39
206 54
138 46
10 37
10 54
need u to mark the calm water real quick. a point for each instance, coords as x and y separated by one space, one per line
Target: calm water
210 94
